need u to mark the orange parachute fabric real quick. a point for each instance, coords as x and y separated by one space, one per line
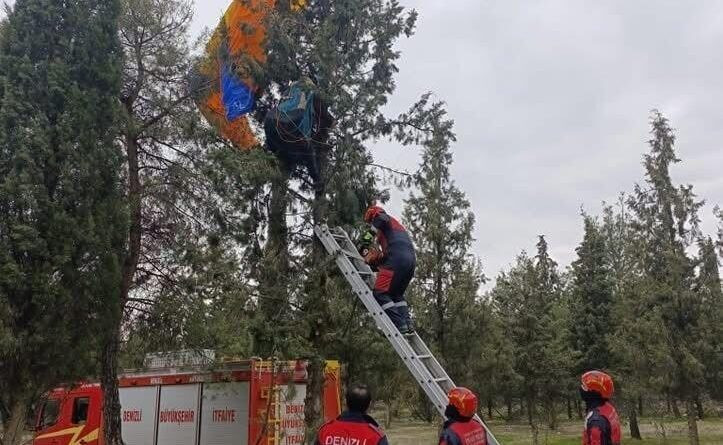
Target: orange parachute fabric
226 87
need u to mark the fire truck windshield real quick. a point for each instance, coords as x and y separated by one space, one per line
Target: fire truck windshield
49 413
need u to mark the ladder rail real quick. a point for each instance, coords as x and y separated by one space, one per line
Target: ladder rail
401 346
414 352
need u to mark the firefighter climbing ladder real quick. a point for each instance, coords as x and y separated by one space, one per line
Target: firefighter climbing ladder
415 354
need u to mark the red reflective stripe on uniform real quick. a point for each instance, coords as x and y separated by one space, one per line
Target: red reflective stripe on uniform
384 280
396 225
608 411
339 432
593 435
470 433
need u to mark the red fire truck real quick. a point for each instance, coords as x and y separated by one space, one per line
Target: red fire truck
238 403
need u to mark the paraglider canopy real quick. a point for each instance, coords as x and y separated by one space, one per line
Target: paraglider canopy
224 83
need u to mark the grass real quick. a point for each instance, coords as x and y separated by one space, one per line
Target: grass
654 431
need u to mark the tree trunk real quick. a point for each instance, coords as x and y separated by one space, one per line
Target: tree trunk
569 408
531 421
699 408
15 425
273 270
676 410
634 427
312 401
317 305
578 408
552 414
489 407
640 406
508 401
690 413
109 383
111 344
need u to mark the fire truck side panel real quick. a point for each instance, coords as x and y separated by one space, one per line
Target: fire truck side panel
178 415
139 414
225 413
292 414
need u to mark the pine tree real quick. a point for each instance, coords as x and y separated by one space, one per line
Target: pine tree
708 287
61 233
666 224
528 300
348 47
444 295
192 202
440 222
631 369
592 294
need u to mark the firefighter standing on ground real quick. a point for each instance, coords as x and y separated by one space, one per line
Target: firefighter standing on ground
353 425
461 428
395 262
602 425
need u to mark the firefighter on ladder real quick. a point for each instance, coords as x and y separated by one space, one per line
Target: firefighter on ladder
353 426
602 425
395 263
461 428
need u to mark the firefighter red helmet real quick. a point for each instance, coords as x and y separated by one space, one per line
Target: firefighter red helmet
464 400
372 212
599 382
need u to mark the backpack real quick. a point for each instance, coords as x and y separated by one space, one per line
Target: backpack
295 112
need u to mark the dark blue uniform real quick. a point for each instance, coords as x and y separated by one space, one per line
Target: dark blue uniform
396 269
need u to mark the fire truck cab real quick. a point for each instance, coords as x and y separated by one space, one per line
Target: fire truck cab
238 403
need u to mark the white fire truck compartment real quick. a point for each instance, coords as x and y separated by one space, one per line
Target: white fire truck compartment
138 414
225 413
178 414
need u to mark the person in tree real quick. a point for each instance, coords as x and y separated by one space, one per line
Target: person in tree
395 263
602 425
353 425
297 128
461 428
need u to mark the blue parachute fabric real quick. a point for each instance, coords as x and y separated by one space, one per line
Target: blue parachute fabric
296 110
238 99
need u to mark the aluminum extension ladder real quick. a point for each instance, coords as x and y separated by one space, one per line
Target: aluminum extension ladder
415 354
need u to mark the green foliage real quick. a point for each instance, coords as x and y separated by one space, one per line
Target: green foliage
62 225
530 302
592 299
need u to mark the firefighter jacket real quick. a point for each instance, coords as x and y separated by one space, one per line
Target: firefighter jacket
351 428
602 426
461 432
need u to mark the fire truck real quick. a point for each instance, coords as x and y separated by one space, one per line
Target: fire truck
250 402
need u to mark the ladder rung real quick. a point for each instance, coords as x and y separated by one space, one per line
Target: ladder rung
441 379
424 357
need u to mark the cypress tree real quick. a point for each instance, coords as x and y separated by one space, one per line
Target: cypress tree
708 288
666 225
592 300
63 218
440 222
528 299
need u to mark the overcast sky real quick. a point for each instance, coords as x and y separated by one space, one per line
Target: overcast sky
551 101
